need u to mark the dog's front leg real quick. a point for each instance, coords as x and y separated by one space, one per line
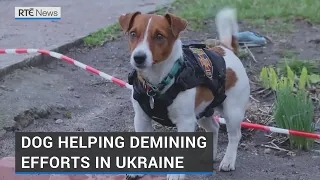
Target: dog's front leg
142 123
182 114
182 111
211 126
184 124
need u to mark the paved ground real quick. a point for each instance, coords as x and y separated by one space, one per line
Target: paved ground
79 18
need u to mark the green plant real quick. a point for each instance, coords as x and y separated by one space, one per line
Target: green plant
67 115
264 77
269 78
290 75
243 54
296 66
284 83
303 78
273 77
314 78
288 53
294 111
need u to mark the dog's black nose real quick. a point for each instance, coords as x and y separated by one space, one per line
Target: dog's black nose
140 57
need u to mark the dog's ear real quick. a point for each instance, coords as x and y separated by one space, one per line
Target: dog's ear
126 20
177 24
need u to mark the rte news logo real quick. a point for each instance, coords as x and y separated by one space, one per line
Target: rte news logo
37 13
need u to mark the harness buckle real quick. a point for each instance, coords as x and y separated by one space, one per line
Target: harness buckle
151 93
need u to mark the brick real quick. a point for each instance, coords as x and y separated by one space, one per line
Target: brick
59 177
7 171
7 165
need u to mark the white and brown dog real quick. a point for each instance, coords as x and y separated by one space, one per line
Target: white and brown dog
155 47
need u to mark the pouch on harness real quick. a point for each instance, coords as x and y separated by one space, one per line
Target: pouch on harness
199 66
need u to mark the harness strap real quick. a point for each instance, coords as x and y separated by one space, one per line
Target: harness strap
153 90
216 85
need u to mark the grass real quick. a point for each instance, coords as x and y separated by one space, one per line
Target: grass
295 112
256 11
296 65
102 35
293 106
279 26
109 33
288 53
67 115
243 54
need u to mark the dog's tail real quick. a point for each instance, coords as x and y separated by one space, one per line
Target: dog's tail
227 27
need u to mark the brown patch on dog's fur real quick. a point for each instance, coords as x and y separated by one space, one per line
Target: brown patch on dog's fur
126 20
161 36
168 27
234 45
214 43
204 94
138 25
231 78
218 50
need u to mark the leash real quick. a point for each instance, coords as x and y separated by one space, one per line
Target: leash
124 84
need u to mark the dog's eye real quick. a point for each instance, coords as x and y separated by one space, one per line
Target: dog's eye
133 35
159 37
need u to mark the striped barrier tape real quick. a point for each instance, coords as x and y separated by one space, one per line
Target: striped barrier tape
69 60
124 84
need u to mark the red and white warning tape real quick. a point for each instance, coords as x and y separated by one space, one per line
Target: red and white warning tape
69 60
124 84
273 129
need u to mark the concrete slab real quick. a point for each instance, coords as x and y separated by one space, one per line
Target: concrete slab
79 19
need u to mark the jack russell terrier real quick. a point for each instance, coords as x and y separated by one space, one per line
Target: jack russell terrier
180 85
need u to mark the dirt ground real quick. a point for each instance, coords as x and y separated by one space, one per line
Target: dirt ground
61 97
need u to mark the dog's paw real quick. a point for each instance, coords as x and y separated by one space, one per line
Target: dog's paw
176 177
227 164
134 176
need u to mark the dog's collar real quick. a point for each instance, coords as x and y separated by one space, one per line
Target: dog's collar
153 90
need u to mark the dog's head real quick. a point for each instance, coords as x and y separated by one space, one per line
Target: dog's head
151 37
